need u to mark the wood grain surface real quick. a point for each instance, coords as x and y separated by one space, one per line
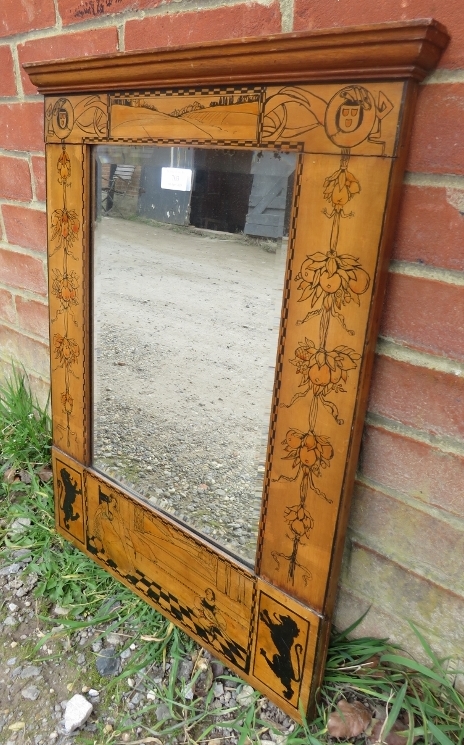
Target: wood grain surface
66 174
389 50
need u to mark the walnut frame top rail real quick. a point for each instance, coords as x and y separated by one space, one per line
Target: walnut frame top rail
391 50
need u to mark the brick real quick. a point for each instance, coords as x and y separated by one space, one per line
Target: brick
414 469
7 78
31 354
33 316
38 171
436 610
430 227
25 227
21 125
81 44
23 15
7 307
425 314
74 11
425 399
40 387
418 541
25 272
380 624
437 144
315 15
206 25
15 179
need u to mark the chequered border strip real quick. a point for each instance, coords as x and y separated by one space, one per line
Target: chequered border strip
85 252
149 513
282 145
280 361
231 650
220 91
171 604
253 621
178 141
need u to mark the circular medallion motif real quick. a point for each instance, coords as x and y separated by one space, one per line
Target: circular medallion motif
63 118
350 116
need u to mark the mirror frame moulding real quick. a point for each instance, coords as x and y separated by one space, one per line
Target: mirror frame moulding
285 92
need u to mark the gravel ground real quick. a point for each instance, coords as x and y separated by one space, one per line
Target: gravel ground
186 336
37 687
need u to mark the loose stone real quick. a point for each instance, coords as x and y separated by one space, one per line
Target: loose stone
77 711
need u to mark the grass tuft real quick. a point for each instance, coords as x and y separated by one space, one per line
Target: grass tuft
25 428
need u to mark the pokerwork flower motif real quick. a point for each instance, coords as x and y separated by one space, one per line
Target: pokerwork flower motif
65 226
67 402
308 451
324 371
64 287
66 350
330 280
64 167
299 521
340 187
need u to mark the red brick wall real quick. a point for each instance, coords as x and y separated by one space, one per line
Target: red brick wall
405 547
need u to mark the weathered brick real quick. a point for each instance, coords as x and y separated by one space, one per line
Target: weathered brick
315 15
31 354
25 227
32 316
21 125
80 44
20 270
437 144
205 25
38 170
23 15
381 624
425 399
430 227
413 468
75 11
425 314
40 386
7 78
413 538
7 307
15 178
406 595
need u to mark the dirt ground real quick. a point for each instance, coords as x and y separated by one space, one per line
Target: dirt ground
185 336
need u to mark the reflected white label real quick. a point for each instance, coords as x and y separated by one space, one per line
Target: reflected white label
177 179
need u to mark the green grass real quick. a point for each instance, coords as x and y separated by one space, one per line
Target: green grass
24 426
367 669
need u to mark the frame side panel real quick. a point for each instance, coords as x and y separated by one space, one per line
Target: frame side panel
67 244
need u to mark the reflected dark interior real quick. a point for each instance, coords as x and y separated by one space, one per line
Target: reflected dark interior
233 191
187 296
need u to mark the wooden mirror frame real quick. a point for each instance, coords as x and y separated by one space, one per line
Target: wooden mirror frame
290 93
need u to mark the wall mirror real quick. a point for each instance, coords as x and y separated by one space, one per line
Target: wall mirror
219 221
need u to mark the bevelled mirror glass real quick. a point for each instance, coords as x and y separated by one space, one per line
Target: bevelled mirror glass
189 255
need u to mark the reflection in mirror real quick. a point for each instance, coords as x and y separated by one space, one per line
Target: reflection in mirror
189 261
